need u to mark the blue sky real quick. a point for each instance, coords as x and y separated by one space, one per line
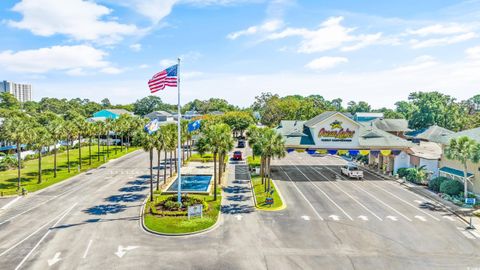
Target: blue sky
376 51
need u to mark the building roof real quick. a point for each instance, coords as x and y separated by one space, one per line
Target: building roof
391 125
433 134
159 113
321 117
426 150
369 114
298 133
118 111
373 137
471 133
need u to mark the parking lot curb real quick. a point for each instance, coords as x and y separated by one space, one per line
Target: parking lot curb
284 205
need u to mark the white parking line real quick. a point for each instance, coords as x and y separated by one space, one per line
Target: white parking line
409 204
346 193
382 202
301 193
88 248
323 192
43 237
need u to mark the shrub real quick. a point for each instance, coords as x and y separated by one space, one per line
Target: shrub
434 184
171 205
253 163
402 172
451 187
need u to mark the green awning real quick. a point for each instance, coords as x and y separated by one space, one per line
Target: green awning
455 172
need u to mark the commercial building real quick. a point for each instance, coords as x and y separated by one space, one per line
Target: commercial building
454 169
339 133
23 92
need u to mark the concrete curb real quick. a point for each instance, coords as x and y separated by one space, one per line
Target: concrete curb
282 207
201 232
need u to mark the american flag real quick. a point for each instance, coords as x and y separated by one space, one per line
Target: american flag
167 77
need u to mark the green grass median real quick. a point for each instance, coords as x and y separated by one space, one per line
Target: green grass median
29 174
261 196
166 224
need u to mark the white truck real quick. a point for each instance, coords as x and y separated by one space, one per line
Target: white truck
352 171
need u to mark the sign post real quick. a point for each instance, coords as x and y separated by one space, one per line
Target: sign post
195 211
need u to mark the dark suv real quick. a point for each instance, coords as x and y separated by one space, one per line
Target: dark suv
241 144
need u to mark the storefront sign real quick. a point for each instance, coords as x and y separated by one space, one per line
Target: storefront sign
336 134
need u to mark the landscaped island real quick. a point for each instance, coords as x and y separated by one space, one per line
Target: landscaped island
165 216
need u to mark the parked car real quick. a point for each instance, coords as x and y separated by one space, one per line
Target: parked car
241 144
352 171
237 155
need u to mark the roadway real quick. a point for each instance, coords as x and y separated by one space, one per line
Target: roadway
92 222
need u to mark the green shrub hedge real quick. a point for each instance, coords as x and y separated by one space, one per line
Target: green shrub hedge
435 183
451 187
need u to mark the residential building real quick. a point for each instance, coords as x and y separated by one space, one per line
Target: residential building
161 116
23 92
109 114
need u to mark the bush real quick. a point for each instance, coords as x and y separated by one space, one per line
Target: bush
171 205
451 187
402 172
253 163
434 184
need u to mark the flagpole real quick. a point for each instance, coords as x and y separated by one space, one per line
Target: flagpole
179 164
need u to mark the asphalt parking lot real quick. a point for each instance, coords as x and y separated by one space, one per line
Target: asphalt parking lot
370 222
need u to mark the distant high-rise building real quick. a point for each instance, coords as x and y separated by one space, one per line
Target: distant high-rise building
23 92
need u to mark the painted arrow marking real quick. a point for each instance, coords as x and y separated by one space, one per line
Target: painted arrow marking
305 217
449 218
239 217
364 218
55 259
121 251
420 218
334 217
393 218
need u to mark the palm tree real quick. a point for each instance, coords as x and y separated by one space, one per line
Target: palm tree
81 126
170 137
90 131
17 130
56 131
148 144
159 145
108 127
226 144
216 141
99 129
69 131
464 150
268 144
41 139
252 135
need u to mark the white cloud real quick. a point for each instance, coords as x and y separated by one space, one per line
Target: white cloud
421 62
79 19
155 10
440 29
54 58
473 53
441 41
76 72
326 62
111 70
142 66
164 63
330 35
136 47
268 26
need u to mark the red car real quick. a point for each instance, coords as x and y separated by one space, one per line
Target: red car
237 155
